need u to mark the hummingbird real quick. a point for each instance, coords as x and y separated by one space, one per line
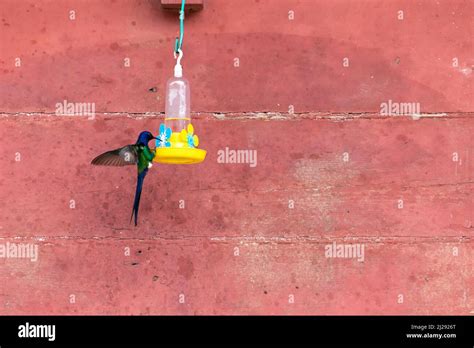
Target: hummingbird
139 154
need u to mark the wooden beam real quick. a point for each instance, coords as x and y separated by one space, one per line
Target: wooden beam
191 5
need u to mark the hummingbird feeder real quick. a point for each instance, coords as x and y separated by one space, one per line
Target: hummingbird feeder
177 143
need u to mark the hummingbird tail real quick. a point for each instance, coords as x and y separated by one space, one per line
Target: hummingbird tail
138 193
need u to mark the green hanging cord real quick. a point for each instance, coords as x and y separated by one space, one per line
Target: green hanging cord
179 42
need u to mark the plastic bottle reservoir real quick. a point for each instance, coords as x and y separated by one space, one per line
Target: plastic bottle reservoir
178 102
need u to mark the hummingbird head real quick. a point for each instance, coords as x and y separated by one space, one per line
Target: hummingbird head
144 138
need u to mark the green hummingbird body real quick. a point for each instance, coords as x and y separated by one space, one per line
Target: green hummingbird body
139 154
145 157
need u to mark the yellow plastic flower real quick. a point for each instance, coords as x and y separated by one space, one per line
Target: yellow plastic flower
188 136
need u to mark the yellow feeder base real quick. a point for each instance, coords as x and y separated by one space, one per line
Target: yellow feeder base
176 155
179 153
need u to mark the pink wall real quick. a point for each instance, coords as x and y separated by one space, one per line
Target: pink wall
399 186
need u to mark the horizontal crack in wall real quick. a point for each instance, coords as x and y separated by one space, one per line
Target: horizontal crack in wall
337 116
257 239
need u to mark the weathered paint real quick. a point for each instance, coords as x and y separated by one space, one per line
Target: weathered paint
83 59
249 239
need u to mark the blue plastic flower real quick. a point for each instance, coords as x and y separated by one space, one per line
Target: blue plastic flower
190 140
162 138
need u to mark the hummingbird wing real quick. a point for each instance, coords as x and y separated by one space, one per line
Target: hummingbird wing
119 157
